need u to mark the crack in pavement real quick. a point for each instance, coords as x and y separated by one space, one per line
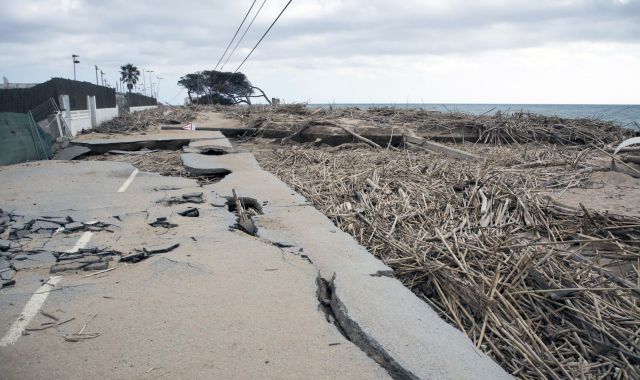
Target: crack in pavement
337 314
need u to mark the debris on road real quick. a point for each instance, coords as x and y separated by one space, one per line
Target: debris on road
161 248
146 252
84 262
73 227
190 212
133 257
245 222
163 162
184 198
163 222
81 335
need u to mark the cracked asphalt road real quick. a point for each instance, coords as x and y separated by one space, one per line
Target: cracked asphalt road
221 305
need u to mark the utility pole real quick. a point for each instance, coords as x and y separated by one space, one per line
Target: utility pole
75 60
150 83
102 76
96 74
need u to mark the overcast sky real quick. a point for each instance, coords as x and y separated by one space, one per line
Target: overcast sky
364 51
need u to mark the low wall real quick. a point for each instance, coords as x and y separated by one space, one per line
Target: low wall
78 120
106 114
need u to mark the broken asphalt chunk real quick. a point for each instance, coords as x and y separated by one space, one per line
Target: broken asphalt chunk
73 256
134 257
7 274
57 268
97 266
4 245
163 222
190 212
248 226
185 198
4 264
52 219
89 250
72 227
44 225
75 264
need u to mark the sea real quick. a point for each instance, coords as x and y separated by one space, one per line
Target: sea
625 115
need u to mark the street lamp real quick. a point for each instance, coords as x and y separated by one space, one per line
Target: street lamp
144 82
75 60
158 88
150 83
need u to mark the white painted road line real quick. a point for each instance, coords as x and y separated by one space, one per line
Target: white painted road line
126 183
82 242
30 310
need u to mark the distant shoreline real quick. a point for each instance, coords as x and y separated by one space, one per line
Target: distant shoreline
625 115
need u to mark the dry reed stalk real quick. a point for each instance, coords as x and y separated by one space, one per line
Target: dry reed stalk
547 291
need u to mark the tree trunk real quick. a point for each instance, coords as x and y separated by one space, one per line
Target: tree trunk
263 94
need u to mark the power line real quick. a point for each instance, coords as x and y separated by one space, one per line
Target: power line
235 35
243 34
263 36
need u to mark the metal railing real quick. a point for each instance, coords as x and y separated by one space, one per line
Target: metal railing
49 112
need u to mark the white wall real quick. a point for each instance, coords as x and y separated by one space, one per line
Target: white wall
92 117
79 120
106 114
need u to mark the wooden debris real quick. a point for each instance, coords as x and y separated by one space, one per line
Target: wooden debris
434 147
499 128
80 335
245 222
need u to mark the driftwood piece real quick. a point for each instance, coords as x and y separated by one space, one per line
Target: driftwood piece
310 123
417 142
244 220
352 133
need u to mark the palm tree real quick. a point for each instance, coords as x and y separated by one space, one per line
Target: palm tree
129 74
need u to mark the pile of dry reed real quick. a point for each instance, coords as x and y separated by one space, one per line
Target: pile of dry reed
547 291
144 120
496 128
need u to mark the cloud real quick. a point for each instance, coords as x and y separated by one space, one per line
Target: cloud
317 41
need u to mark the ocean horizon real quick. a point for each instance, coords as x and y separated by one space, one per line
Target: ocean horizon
624 115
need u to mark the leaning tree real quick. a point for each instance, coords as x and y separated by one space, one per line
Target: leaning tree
221 87
129 74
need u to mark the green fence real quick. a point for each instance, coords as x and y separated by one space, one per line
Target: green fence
22 140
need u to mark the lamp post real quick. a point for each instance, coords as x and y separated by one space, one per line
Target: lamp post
75 60
144 82
158 88
150 83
